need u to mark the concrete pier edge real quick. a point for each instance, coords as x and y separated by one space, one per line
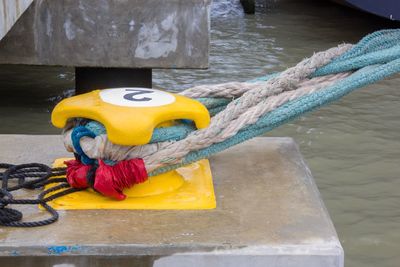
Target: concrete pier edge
269 213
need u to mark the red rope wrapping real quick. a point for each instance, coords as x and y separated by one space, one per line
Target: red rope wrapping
77 173
108 180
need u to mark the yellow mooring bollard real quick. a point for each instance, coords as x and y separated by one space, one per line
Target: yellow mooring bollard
130 116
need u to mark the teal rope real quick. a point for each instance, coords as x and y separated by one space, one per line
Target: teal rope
372 43
376 48
76 136
374 58
370 73
292 110
377 57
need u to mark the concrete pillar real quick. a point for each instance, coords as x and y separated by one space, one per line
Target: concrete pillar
111 33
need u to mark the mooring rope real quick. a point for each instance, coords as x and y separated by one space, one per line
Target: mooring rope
240 111
100 148
244 110
254 100
30 176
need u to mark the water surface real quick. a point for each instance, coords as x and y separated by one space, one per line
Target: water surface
351 146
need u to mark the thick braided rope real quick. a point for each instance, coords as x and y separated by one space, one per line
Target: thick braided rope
288 80
252 115
166 155
156 155
292 110
375 57
101 148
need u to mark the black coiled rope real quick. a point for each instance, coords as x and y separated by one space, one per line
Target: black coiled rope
30 176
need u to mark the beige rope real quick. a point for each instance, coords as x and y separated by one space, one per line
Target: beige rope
253 101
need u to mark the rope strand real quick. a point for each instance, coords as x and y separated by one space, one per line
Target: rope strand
30 176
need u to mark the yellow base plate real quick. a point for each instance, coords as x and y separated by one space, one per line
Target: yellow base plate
189 187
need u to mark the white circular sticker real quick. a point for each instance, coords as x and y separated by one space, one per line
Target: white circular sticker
136 97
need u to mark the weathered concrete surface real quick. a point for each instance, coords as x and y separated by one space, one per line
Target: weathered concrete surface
111 33
269 213
10 11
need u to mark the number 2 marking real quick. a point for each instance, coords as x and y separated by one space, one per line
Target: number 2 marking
131 96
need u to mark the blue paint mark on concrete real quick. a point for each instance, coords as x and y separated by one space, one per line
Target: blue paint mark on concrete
14 253
58 250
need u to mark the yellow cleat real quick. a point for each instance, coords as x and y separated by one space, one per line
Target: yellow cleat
130 114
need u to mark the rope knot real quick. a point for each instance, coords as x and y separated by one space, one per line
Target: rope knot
106 179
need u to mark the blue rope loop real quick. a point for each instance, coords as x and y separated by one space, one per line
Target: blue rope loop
76 135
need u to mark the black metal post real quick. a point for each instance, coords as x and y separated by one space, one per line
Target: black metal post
88 79
249 6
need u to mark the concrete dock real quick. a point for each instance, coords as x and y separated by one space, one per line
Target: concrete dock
269 213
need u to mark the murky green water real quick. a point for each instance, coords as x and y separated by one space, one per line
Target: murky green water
351 146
